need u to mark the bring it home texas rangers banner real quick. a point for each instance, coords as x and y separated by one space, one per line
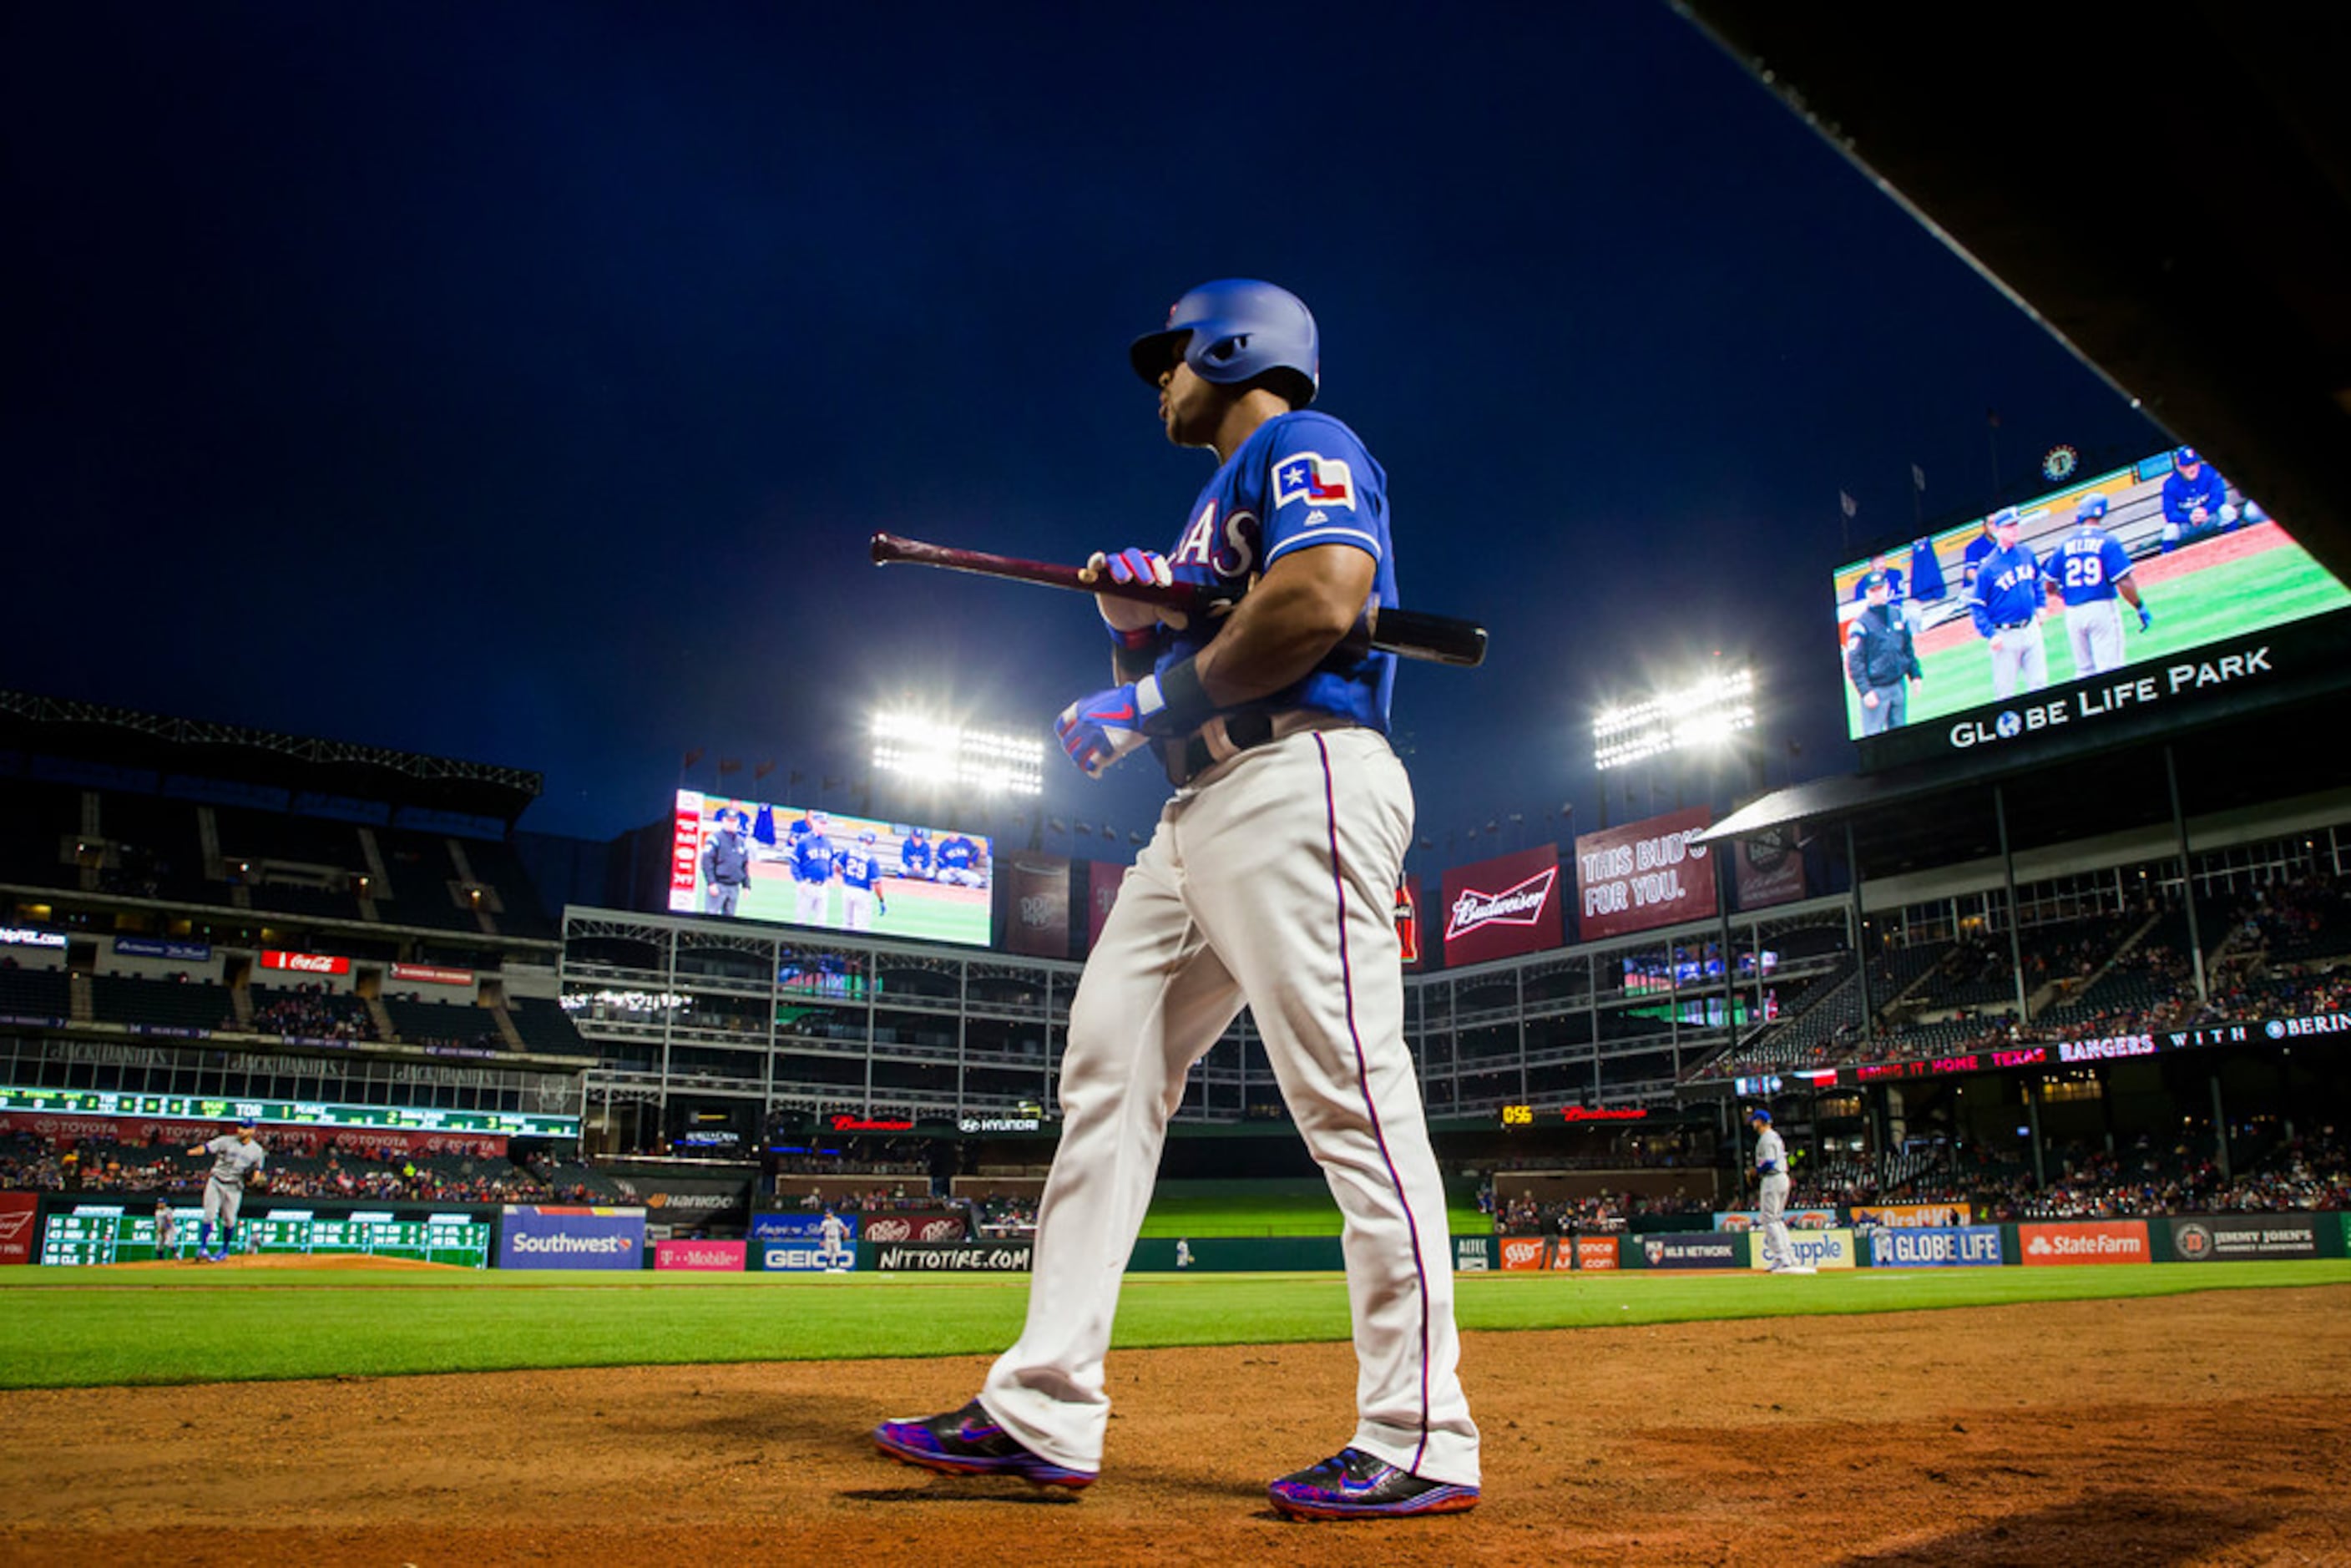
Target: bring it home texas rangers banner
1643 875
1500 908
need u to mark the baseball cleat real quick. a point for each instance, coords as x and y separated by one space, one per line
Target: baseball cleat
968 1442
1353 1484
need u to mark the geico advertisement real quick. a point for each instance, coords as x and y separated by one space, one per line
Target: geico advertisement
803 1255
1940 1246
2084 1241
1813 1249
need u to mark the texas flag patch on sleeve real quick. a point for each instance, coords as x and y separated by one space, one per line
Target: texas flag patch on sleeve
1315 479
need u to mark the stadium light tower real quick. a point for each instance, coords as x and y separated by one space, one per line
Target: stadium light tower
1708 711
940 753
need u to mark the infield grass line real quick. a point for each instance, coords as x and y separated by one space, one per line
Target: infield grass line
63 1328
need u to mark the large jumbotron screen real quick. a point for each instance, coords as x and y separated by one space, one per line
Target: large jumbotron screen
751 859
2037 637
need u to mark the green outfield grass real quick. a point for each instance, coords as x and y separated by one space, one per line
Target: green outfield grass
2230 600
917 912
73 1328
1280 1208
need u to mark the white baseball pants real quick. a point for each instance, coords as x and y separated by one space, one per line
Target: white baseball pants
2096 631
1271 880
1779 1251
2019 661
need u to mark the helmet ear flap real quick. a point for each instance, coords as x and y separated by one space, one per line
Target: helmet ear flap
1225 351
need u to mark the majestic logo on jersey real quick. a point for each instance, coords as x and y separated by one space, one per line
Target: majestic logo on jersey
1229 552
1519 906
1315 479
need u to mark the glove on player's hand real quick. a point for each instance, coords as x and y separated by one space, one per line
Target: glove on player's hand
1097 731
1134 625
2145 619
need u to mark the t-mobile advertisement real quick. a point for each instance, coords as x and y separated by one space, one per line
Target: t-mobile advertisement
540 1236
700 1256
1500 908
1643 875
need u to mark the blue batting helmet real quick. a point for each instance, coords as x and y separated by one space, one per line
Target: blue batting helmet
2090 508
1232 330
1757 1113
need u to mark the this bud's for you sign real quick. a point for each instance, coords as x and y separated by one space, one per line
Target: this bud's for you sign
1644 874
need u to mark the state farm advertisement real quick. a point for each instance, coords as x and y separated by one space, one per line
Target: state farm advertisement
2084 1241
1037 905
1644 874
304 963
1500 908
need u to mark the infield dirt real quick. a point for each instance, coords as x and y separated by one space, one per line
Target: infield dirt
2209 1428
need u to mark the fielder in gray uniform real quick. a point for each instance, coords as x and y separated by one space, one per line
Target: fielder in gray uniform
236 1160
1772 1165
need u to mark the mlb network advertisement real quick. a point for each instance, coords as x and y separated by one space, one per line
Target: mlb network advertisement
2093 611
750 860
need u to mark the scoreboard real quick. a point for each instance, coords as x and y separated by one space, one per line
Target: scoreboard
105 1233
288 1112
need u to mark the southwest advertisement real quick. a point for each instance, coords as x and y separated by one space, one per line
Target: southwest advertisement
1643 875
544 1235
1501 908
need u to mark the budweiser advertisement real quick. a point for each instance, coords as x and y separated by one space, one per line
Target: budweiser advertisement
1500 908
1643 875
1037 905
17 1212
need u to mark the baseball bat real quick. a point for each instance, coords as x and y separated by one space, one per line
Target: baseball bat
1438 639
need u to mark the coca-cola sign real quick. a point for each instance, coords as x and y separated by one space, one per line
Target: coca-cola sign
1499 908
304 963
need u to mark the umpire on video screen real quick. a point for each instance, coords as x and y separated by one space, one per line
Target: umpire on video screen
726 864
1880 658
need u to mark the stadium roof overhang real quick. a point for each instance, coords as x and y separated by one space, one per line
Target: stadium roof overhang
2168 190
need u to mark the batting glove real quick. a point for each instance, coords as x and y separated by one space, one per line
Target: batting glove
1097 731
2145 619
1131 625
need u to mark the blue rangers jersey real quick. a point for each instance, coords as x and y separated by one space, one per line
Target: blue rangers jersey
1302 480
2009 586
915 854
859 867
957 853
2088 565
812 857
2182 496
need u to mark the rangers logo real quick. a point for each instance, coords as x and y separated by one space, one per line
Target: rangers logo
1313 478
1519 906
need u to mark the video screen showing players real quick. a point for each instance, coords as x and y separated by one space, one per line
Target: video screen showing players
751 859
2124 591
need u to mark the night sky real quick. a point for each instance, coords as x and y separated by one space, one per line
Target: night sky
522 382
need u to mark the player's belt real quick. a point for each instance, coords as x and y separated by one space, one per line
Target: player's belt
1227 736
2014 626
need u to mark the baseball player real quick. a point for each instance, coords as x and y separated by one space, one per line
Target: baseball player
2196 501
860 870
726 864
1972 558
1267 884
2087 571
914 859
958 859
1183 1252
2006 604
1771 1196
236 1161
830 1251
167 1225
1881 658
813 858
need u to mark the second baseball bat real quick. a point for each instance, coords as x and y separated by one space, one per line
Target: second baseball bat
1439 639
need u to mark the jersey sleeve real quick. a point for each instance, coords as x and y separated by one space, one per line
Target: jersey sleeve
2114 561
1323 489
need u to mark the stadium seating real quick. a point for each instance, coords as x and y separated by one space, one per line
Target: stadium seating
441 1023
161 1004
41 994
544 1026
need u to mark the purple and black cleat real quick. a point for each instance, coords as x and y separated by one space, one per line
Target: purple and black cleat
968 1442
1353 1484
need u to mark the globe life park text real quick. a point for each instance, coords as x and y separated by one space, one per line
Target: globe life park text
2113 698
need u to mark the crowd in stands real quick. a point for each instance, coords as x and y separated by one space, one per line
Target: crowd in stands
305 1012
381 1171
1525 1215
877 1200
2145 1178
998 1216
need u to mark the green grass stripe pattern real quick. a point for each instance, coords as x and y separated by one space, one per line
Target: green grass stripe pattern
78 1328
